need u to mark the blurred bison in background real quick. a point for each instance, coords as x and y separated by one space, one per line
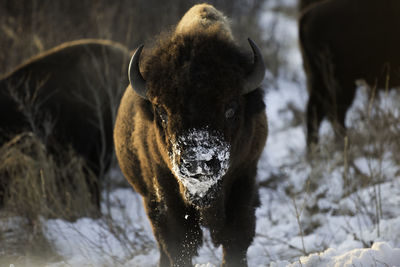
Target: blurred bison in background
68 97
343 41
189 134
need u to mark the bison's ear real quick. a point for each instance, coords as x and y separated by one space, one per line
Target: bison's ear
135 77
256 76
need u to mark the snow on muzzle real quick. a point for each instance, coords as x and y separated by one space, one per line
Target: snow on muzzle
200 159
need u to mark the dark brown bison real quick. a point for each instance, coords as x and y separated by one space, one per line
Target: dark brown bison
67 96
189 132
343 41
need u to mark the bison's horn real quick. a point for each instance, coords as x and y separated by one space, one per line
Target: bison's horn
135 78
254 79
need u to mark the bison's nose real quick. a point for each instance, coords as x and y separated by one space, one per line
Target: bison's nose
195 168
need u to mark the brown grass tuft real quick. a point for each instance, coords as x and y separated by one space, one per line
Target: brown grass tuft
35 184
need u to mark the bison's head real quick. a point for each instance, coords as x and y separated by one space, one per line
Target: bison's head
195 88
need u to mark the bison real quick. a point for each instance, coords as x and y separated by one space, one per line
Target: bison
68 96
189 132
343 41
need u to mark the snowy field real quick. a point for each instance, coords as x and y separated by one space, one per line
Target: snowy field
296 225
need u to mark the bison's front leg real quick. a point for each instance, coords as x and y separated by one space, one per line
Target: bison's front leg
239 235
177 231
240 223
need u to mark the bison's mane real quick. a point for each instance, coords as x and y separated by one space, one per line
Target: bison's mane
193 64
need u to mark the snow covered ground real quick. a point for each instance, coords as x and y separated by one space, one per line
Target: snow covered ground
296 225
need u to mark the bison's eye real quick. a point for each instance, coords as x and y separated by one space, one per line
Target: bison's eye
231 110
162 114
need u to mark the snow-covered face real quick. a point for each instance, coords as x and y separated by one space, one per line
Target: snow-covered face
200 158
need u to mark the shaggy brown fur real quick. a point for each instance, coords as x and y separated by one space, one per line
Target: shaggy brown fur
68 97
343 41
193 80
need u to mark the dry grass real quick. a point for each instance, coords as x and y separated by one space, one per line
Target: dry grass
365 158
344 176
36 187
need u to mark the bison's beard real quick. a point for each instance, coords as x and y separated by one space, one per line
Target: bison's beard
200 160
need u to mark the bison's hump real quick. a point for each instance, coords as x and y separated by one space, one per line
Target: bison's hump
204 18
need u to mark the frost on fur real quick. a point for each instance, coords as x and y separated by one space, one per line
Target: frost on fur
200 159
204 18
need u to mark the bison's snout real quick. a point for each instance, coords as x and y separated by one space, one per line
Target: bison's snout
200 159
193 164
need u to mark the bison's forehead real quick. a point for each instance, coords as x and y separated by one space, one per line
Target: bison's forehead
199 66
